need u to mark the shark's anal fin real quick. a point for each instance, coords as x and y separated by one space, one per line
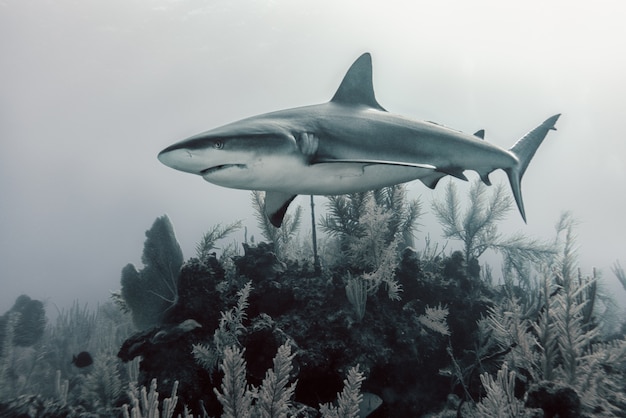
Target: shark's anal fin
276 204
485 178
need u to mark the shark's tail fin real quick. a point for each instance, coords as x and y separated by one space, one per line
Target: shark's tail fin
524 150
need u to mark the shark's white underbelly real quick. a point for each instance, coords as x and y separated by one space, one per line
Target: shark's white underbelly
342 178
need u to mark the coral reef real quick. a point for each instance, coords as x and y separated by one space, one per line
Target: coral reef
288 302
377 330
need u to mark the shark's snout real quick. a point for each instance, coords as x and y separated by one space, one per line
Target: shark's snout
181 158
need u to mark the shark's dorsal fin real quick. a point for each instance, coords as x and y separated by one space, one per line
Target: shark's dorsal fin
356 87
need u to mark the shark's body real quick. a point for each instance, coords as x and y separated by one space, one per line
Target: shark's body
350 144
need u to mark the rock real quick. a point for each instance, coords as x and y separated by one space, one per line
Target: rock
259 263
554 399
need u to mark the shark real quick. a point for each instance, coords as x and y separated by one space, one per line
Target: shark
347 145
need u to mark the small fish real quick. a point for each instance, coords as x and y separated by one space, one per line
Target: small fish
369 404
83 359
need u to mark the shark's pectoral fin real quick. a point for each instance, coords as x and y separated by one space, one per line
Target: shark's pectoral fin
276 204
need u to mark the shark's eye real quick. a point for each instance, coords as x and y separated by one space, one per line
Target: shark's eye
218 144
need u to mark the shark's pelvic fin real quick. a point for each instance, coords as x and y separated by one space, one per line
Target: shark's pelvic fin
524 150
454 172
276 204
432 180
356 87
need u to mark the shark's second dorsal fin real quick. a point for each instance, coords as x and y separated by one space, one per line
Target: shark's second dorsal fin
356 87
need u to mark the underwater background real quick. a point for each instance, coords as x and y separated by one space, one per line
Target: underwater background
418 302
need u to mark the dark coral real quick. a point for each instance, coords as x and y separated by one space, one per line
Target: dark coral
555 399
401 357
166 350
27 406
289 301
31 322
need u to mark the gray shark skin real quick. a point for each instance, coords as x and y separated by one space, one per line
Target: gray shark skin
350 144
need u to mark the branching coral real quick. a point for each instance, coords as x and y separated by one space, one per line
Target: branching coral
500 400
557 345
281 238
477 229
384 272
145 404
356 292
61 388
349 399
272 398
435 319
228 332
103 386
369 224
545 330
209 239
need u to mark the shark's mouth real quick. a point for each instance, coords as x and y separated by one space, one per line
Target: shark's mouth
221 167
